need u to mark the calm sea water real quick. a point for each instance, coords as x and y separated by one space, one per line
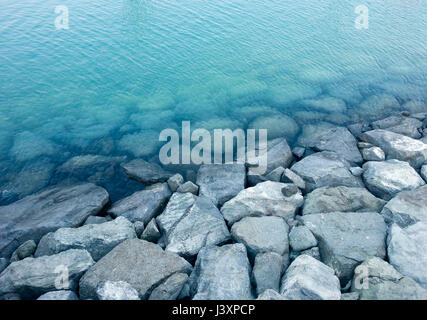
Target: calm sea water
127 69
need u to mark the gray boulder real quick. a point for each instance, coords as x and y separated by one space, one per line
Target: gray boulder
397 146
175 181
342 199
25 250
146 172
60 206
221 182
301 238
388 178
59 295
373 154
309 279
375 279
151 232
265 199
346 239
116 290
407 251
325 169
170 288
407 207
142 264
267 271
262 234
97 239
221 273
142 205
188 187
399 124
33 277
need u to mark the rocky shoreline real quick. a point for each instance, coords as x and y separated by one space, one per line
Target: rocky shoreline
341 216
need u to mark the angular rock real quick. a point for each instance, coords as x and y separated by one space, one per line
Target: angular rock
347 238
221 182
142 205
309 279
221 273
142 264
298 152
289 176
265 199
373 154
301 238
188 187
399 124
262 234
175 181
151 232
407 251
342 199
312 252
139 228
24 250
270 294
325 169
146 172
33 277
397 146
407 207
387 178
97 239
356 171
116 290
171 288
267 271
59 295
375 279
275 175
60 206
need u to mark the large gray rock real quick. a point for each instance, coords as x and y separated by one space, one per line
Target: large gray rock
309 279
375 279
397 146
221 182
265 199
407 251
342 199
32 277
146 172
60 206
325 169
347 239
301 238
267 271
221 273
171 288
142 264
399 124
142 205
116 290
97 239
407 207
262 234
59 295
186 231
387 178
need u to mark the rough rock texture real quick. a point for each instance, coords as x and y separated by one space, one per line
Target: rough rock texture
265 199
375 279
96 220
24 250
347 239
221 182
139 228
397 146
146 172
399 124
262 234
97 239
267 271
325 169
3 264
309 279
386 179
175 181
187 231
270 294
142 264
221 273
116 290
423 172
373 154
407 207
407 251
32 277
301 238
142 205
151 232
60 206
171 288
276 174
342 199
59 295
188 187
289 176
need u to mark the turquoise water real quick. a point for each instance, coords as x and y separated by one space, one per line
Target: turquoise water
127 69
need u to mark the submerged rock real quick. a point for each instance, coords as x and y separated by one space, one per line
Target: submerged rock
221 273
146 172
60 206
399 124
278 126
